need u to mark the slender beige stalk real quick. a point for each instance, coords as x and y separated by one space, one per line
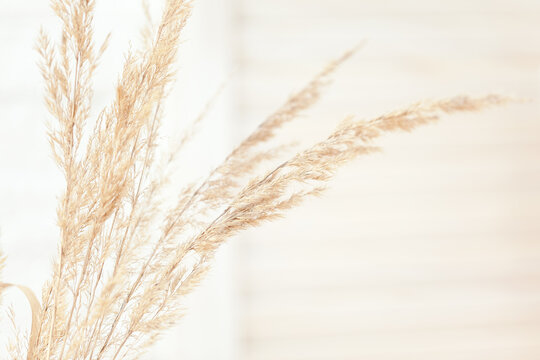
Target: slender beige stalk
16 342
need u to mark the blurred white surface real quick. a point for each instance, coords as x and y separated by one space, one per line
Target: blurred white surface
429 250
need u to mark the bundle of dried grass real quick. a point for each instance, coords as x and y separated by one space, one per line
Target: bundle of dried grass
125 261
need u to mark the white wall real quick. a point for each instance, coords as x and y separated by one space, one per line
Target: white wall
429 250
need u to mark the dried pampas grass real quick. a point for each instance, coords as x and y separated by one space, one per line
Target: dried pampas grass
126 261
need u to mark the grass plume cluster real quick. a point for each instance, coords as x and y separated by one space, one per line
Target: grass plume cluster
125 261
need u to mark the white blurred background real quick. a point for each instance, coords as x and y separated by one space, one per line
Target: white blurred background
429 250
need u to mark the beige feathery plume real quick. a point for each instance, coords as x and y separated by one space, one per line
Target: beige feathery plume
268 197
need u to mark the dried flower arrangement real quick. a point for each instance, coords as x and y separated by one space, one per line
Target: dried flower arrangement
125 260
